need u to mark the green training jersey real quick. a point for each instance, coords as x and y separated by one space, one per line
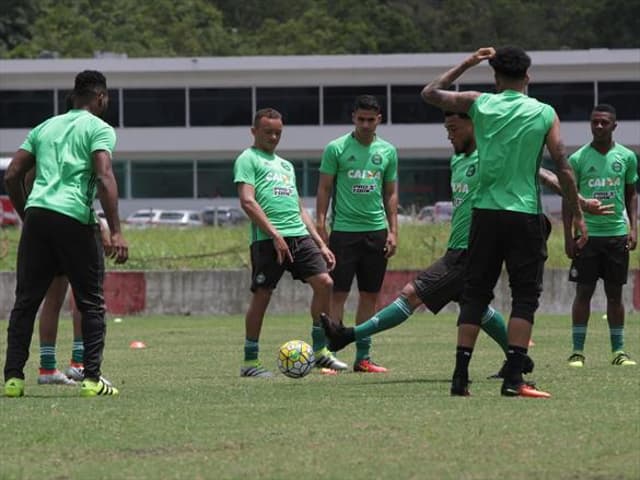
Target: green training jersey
360 173
604 177
65 181
464 180
274 181
510 130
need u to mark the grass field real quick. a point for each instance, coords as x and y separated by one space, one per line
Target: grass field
211 248
184 412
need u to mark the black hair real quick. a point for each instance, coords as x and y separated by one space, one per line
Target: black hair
511 62
459 114
265 113
605 107
89 83
366 102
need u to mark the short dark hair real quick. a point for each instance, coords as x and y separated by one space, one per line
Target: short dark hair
459 114
511 62
265 113
89 83
366 102
605 107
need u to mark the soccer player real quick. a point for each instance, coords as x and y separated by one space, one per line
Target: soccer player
507 223
359 172
283 237
607 171
443 281
72 157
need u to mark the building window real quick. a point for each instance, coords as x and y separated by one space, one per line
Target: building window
113 111
424 181
161 179
298 106
407 106
572 101
338 102
220 107
25 108
624 96
154 107
215 179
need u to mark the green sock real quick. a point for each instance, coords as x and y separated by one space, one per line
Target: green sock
494 325
578 334
251 349
48 356
616 334
318 338
77 350
363 346
389 317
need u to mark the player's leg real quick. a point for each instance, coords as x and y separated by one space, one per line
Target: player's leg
75 370
36 268
345 247
265 275
616 269
585 271
370 271
49 317
525 254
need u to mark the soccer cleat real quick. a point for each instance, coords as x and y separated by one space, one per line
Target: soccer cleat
576 360
326 359
91 388
337 334
367 366
522 390
622 359
255 370
14 387
460 387
75 371
527 367
55 377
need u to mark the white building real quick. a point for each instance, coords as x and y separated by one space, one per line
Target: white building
182 121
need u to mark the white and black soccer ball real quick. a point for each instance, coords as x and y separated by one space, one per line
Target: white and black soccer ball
295 359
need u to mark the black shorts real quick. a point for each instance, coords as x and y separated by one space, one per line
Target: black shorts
443 281
601 257
359 254
266 272
517 239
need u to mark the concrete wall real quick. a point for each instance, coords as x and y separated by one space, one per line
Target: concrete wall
223 292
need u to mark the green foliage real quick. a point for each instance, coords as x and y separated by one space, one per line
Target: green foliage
149 28
184 412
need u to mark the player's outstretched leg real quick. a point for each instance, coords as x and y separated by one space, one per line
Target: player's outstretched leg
337 334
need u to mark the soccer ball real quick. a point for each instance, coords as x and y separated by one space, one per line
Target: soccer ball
295 358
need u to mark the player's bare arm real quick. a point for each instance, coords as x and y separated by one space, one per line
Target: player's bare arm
631 204
436 93
254 211
325 188
590 205
107 192
324 249
390 199
20 164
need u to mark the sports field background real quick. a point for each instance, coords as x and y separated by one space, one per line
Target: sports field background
184 412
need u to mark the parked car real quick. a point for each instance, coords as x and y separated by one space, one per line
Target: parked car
145 217
179 218
223 216
439 212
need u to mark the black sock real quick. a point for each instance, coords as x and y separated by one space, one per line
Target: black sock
463 357
515 362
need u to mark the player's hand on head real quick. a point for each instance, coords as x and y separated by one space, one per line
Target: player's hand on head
484 53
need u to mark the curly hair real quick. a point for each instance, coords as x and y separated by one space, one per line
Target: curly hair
89 83
511 62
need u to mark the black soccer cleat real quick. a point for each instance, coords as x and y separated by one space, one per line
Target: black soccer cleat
338 335
527 367
460 387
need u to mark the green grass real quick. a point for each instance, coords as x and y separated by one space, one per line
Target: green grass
184 412
214 248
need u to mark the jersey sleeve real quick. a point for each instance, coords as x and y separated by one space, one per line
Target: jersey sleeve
29 143
329 162
391 172
103 138
243 171
631 176
473 110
